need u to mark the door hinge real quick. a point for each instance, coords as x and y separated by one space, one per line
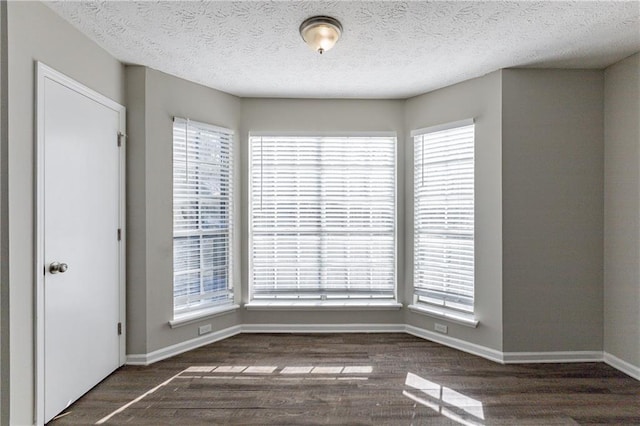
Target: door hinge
120 137
119 234
119 328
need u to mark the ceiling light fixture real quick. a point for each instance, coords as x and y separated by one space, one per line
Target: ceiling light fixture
321 32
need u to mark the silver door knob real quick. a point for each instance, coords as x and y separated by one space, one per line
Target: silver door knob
57 267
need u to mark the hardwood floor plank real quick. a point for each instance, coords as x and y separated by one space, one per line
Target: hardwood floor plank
368 379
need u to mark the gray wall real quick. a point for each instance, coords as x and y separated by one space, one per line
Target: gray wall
4 225
136 319
539 163
322 115
37 33
552 191
622 210
153 99
479 98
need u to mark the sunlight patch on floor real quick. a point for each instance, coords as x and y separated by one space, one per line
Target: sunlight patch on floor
452 404
256 372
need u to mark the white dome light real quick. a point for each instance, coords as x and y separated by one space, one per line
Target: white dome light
321 32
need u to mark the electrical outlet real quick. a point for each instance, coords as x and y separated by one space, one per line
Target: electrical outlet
441 328
203 329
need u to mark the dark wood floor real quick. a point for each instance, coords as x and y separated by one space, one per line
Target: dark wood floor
379 379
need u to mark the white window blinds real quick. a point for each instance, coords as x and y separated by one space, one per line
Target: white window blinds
202 215
444 216
322 217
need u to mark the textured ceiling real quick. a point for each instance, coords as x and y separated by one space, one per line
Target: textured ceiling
388 49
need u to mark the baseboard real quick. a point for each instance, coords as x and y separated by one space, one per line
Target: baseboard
136 359
164 353
621 365
551 357
169 351
472 348
323 328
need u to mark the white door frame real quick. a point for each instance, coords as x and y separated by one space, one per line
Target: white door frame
43 73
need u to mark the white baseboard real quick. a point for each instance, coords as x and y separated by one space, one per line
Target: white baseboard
169 351
624 366
551 357
472 348
136 359
323 328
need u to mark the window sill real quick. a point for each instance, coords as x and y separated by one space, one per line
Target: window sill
445 315
323 305
195 316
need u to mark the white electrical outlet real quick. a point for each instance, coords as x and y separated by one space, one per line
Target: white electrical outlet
203 329
441 328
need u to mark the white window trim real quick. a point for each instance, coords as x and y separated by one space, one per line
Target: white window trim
364 304
191 315
453 315
323 134
441 127
199 315
324 305
445 314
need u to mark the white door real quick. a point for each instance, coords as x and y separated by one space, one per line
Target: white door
80 208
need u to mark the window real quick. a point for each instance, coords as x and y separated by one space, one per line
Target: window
322 218
444 218
202 216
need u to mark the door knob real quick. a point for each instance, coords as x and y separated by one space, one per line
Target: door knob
57 267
